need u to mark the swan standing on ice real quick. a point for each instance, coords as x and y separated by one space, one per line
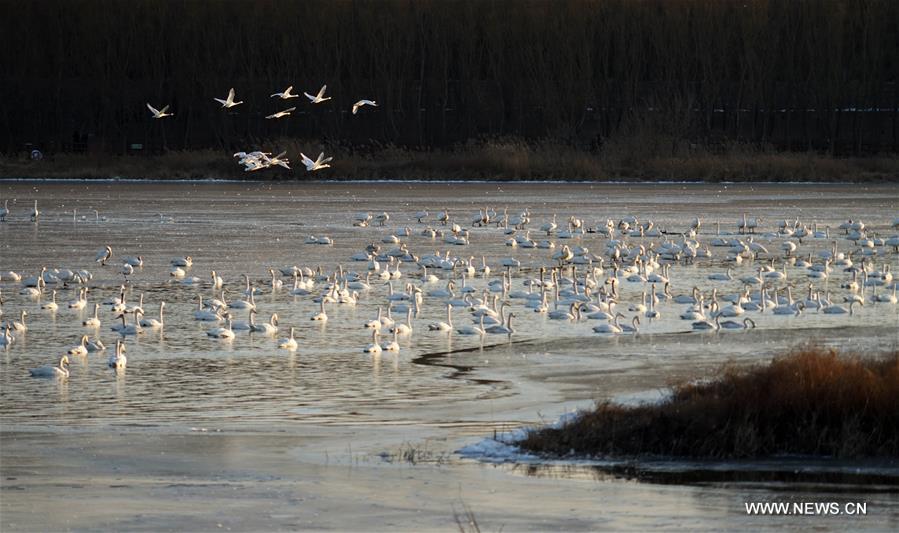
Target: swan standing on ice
284 113
318 98
35 214
49 371
361 103
229 102
286 94
159 113
103 256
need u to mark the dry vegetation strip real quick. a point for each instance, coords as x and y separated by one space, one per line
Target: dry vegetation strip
811 401
495 159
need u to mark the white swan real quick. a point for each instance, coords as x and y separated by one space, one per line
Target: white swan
286 94
49 371
289 343
79 349
159 113
18 325
611 327
404 329
283 113
6 339
320 163
228 102
373 347
128 329
51 305
444 326
730 324
392 346
35 214
94 321
222 332
321 316
706 324
318 98
153 323
81 301
118 360
472 330
361 103
505 329
269 328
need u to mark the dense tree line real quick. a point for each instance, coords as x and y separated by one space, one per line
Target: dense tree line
797 75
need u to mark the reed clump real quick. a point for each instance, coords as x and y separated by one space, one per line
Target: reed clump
811 401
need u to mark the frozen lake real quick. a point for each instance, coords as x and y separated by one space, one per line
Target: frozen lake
200 432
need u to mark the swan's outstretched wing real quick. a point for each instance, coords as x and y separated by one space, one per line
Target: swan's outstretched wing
279 156
321 92
164 109
223 102
326 160
287 91
356 106
306 161
320 157
289 110
153 109
231 95
277 94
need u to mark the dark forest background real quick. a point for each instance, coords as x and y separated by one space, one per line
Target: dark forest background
792 75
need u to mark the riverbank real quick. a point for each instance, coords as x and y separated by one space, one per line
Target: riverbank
498 160
812 401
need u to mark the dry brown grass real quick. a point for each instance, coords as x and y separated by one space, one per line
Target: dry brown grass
810 401
486 159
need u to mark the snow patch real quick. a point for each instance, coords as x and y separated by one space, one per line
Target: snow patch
504 448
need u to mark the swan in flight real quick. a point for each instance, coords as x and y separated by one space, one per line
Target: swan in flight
320 97
159 113
361 103
286 94
284 113
318 164
229 102
48 371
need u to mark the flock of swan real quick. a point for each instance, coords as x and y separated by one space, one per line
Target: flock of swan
258 160
570 283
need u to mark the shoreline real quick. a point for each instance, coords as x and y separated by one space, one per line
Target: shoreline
501 161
